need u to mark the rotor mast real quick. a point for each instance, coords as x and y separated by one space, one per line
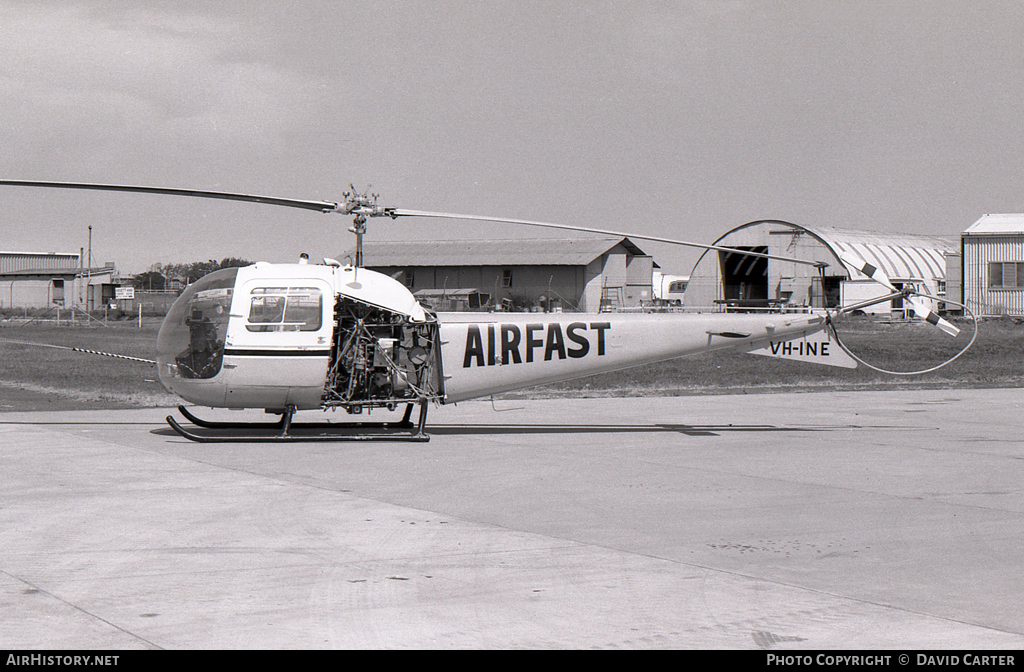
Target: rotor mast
363 206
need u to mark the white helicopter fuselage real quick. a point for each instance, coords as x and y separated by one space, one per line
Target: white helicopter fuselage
269 331
312 336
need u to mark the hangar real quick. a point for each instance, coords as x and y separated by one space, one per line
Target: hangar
40 280
992 250
546 274
724 280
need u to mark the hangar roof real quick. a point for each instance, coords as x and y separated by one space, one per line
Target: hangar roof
520 252
997 224
899 255
95 271
17 261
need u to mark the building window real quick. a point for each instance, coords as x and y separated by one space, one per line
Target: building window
1006 275
409 278
506 278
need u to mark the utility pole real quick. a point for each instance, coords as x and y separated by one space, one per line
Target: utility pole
81 269
88 282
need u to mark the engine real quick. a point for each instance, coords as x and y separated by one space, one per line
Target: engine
380 358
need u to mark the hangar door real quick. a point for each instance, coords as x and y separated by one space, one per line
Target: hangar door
745 278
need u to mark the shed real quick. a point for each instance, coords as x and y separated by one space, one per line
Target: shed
44 279
550 274
992 252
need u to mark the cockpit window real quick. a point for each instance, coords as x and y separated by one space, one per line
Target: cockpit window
285 309
193 333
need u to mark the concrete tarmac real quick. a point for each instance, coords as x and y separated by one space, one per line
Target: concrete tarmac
839 520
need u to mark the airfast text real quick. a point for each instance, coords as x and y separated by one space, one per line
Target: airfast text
504 344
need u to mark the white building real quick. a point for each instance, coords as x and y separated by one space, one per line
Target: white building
992 250
46 279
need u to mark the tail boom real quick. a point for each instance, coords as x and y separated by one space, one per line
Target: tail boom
489 353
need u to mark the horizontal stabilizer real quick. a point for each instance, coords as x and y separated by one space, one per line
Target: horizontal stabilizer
817 349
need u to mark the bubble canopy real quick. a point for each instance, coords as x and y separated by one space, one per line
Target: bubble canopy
190 345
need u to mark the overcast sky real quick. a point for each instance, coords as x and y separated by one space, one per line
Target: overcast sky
679 119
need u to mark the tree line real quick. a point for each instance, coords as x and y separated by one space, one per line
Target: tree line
159 276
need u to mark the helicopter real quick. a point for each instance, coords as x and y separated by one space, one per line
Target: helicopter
289 337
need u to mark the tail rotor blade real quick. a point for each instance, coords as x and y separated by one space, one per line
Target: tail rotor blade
873 272
931 317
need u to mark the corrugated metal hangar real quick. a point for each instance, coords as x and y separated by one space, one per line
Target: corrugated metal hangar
549 274
45 279
993 265
724 279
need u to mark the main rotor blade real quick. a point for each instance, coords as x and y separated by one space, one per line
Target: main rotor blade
356 204
398 212
321 206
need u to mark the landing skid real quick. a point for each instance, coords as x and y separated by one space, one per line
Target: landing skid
207 431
